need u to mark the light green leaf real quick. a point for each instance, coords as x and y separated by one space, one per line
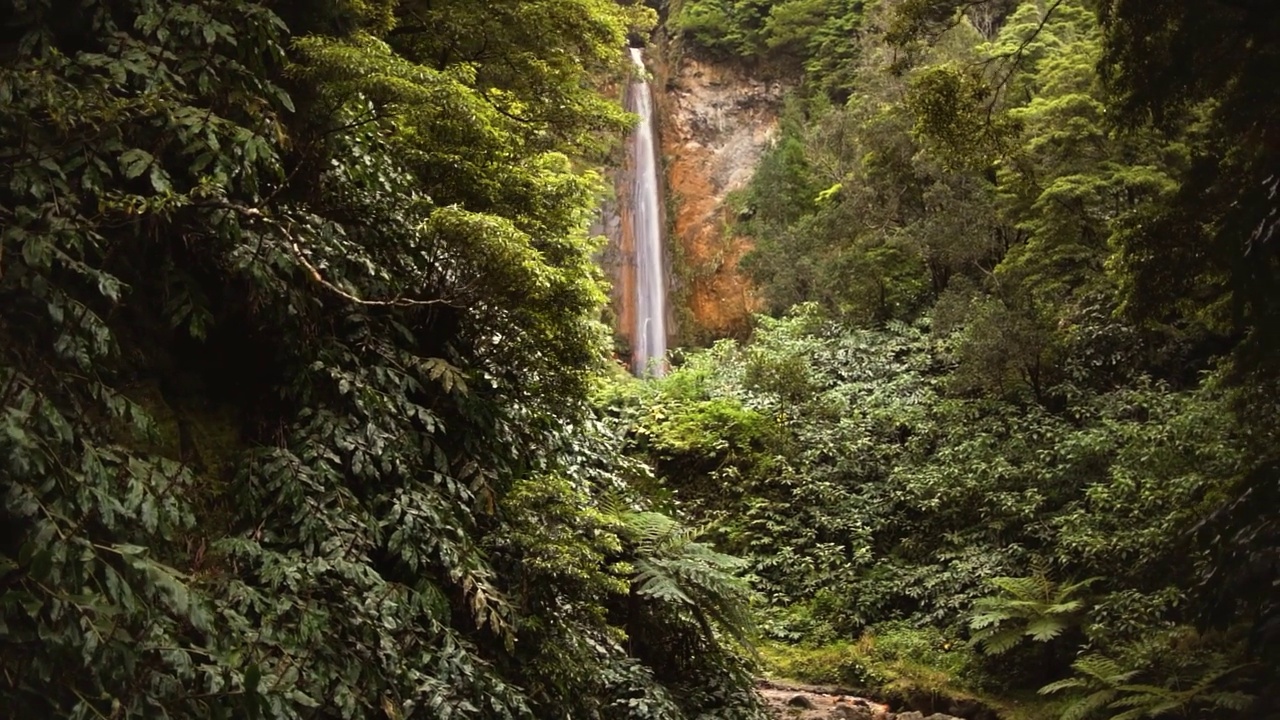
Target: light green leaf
134 162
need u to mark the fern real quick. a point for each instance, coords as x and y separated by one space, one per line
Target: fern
1110 692
1033 606
672 567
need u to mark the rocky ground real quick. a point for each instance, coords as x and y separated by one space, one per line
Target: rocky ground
807 702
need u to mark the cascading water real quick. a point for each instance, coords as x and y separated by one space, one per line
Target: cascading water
649 344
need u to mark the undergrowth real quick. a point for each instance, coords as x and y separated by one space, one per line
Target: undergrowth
909 668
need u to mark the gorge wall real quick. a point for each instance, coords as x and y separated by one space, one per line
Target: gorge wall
714 121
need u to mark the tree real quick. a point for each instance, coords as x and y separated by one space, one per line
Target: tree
1206 258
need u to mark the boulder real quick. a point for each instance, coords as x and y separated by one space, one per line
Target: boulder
800 701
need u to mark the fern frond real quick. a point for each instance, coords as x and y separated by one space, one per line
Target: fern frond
1064 608
1210 679
1000 641
1102 668
1089 705
653 581
1154 697
1021 588
672 567
1071 683
1146 689
1236 701
987 619
1068 590
1148 709
1045 629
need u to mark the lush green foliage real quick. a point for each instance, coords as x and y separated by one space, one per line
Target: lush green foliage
1112 689
865 489
297 323
895 659
818 37
301 411
1027 607
1015 257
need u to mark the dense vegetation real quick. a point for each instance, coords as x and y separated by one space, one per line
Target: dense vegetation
298 321
1011 425
306 408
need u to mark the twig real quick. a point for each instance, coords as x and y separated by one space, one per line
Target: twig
395 302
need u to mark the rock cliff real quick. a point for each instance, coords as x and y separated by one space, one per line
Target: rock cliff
715 123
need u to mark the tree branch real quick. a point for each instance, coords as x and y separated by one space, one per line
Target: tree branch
316 276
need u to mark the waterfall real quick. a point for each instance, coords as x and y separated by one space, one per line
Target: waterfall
649 342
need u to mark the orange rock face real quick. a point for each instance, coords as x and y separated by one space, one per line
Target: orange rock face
716 122
720 297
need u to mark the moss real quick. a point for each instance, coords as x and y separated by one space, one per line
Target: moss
834 664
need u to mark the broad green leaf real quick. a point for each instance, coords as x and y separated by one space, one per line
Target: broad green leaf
134 162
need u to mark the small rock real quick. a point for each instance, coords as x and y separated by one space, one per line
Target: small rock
941 716
802 701
913 715
851 712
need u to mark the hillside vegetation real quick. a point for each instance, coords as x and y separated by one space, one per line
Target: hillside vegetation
297 323
1008 431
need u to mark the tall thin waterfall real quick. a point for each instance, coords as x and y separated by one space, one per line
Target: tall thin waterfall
650 338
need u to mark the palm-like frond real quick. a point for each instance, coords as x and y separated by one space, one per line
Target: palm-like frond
672 567
1103 669
1033 606
1234 701
996 641
987 618
1114 694
1071 683
1045 627
1089 705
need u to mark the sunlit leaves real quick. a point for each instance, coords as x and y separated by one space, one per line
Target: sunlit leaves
1035 607
950 104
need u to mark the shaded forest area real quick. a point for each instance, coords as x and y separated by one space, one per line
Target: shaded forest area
1008 432
298 319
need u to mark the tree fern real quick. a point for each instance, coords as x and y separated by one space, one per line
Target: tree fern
673 567
1034 606
1109 692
